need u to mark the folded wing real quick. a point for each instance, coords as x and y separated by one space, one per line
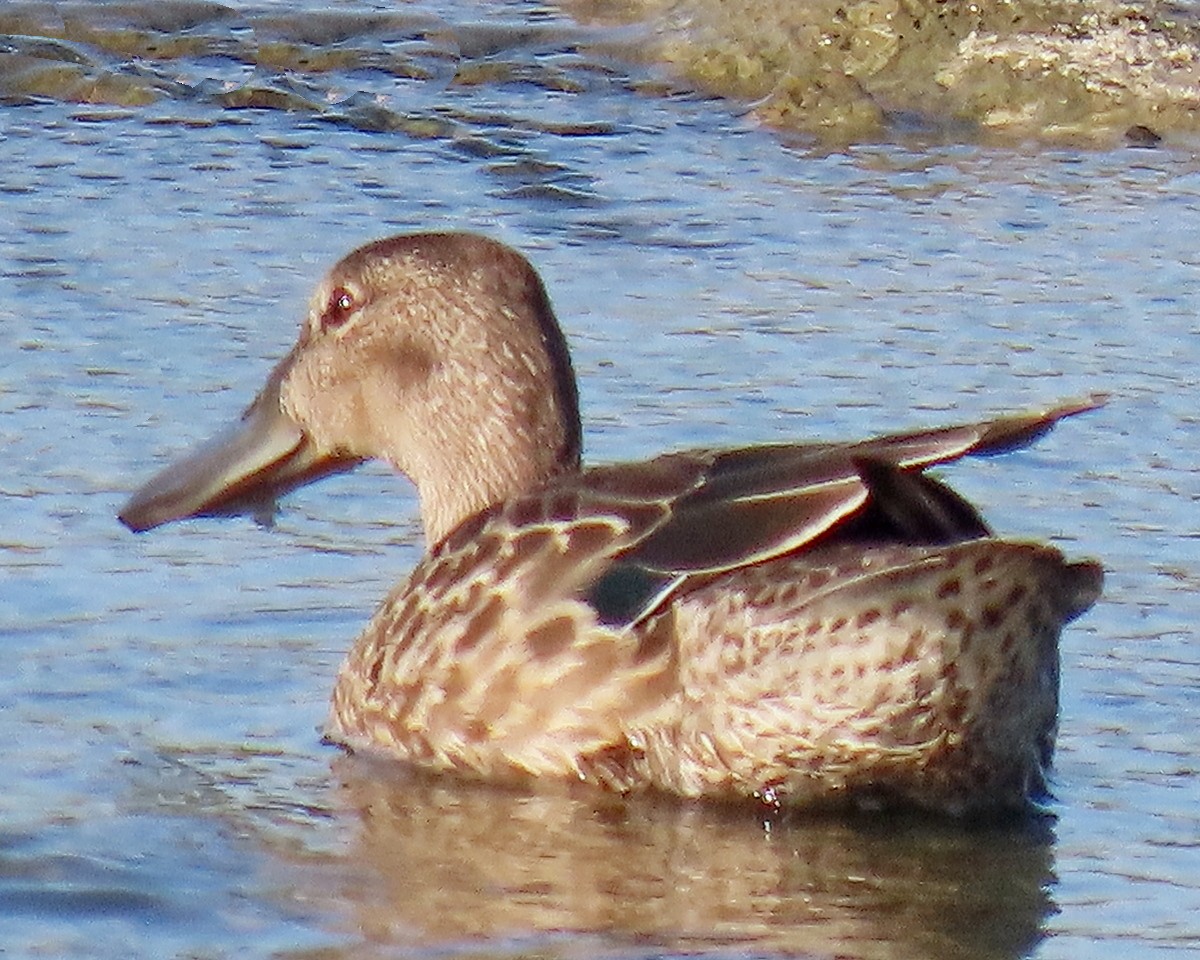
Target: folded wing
689 517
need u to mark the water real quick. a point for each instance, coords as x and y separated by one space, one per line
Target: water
166 793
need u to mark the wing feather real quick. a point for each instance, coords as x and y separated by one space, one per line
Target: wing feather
694 515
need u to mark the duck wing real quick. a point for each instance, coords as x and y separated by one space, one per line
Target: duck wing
689 517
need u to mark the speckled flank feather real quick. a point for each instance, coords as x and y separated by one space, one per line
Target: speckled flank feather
928 675
813 624
485 662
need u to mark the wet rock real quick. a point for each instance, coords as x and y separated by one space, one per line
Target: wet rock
844 69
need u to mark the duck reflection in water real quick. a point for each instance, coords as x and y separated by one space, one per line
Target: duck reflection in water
811 624
436 862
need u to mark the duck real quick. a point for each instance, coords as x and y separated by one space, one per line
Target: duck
809 625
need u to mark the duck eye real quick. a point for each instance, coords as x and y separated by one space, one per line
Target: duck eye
337 309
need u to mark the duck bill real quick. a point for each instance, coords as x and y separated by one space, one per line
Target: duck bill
243 470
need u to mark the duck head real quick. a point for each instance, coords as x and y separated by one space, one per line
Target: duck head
438 353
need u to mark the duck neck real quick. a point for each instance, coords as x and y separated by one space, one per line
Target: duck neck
516 449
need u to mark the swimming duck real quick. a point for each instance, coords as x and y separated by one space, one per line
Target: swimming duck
811 624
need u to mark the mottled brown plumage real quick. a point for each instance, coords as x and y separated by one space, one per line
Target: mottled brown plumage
813 624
